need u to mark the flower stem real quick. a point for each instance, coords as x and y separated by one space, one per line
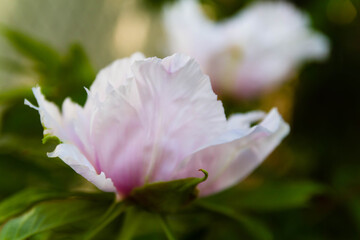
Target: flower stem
113 211
130 224
166 227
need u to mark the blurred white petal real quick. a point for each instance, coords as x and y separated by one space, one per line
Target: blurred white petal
249 54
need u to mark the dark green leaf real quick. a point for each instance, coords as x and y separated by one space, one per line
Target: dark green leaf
15 93
270 196
50 215
164 197
254 228
32 48
18 173
49 137
280 195
113 212
166 227
59 76
42 236
25 199
354 209
77 66
13 66
131 223
75 74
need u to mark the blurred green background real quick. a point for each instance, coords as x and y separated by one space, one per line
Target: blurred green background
309 188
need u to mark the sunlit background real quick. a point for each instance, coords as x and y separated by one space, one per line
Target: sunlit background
309 188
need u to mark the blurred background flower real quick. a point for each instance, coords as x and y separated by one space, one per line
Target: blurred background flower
250 53
307 189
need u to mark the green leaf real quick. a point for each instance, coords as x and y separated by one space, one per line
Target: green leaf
75 74
46 61
42 236
14 93
49 137
165 226
13 66
113 212
167 197
25 199
32 48
354 210
59 76
77 67
131 223
254 228
280 195
270 196
50 215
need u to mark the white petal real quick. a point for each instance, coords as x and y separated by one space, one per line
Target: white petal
114 76
72 127
76 123
176 113
70 109
71 155
240 121
49 113
229 162
179 110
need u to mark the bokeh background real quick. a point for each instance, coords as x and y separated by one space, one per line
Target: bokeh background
309 188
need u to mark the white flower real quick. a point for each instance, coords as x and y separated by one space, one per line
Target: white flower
249 54
149 120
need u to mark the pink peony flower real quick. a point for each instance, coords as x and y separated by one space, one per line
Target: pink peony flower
148 120
250 53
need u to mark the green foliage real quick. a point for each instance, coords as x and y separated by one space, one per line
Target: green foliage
254 228
49 137
113 212
270 196
39 52
17 173
132 222
354 209
165 197
215 9
25 199
75 73
23 163
49 215
14 94
220 10
155 6
59 76
279 195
